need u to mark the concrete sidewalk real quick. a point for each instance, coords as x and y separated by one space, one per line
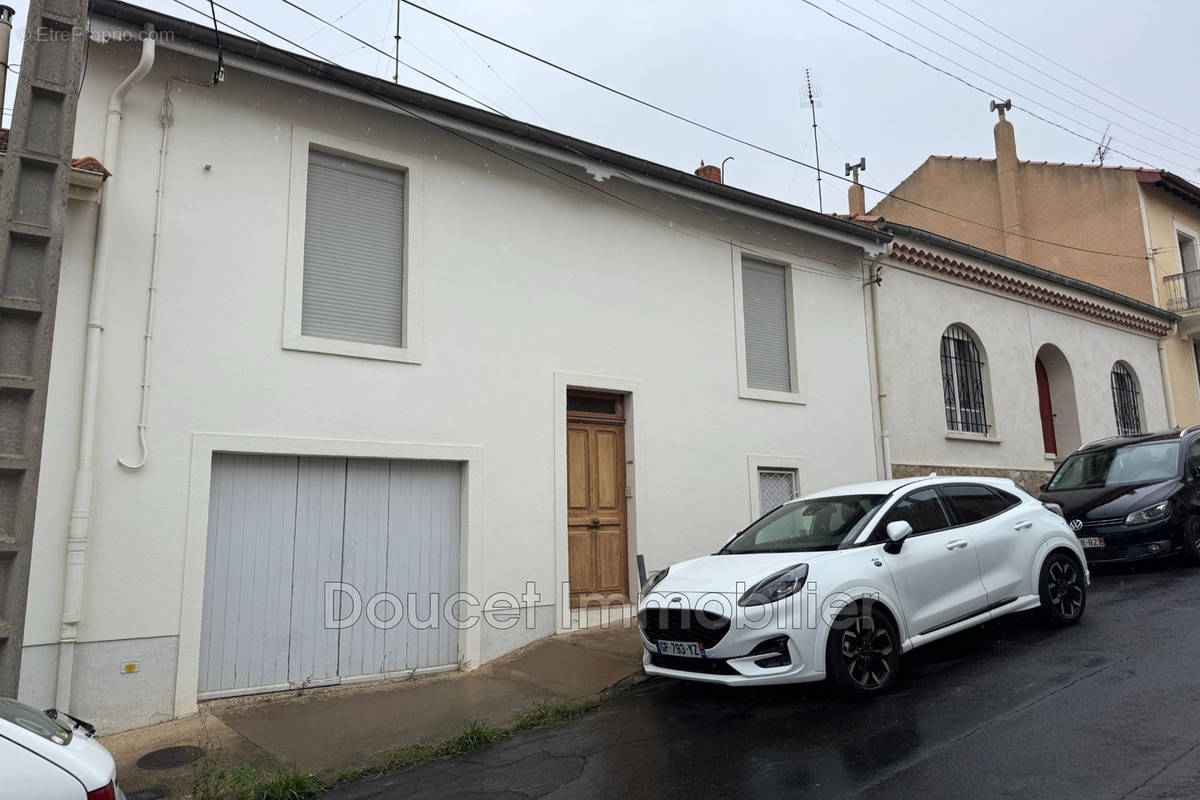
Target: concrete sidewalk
323 730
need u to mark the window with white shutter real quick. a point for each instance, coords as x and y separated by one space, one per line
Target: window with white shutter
767 334
354 268
354 251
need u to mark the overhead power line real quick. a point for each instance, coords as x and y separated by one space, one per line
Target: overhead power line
976 73
632 98
1067 69
584 187
1049 75
775 152
1038 86
365 43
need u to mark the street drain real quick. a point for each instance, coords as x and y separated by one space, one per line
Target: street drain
170 757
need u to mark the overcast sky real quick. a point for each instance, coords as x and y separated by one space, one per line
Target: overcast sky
739 67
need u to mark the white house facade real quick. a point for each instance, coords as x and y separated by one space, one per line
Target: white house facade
996 367
354 345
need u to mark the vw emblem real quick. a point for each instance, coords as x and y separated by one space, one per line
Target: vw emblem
1076 524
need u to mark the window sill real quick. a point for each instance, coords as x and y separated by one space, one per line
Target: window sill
973 437
338 347
770 395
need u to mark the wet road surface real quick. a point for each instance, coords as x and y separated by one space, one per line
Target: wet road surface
1107 709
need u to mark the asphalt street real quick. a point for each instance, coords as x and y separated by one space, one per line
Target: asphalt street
1107 709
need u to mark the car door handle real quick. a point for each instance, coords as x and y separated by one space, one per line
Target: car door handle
1023 525
957 544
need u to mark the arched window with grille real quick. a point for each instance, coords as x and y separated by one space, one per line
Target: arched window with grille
962 382
1126 400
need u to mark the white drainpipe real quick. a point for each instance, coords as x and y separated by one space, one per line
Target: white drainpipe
81 507
885 443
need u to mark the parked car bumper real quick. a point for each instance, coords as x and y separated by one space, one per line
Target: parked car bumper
1124 544
749 653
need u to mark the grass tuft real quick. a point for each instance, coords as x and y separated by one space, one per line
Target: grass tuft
288 783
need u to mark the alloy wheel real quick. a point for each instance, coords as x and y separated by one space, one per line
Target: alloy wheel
1065 588
866 652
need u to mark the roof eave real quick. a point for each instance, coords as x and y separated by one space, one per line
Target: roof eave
492 125
972 251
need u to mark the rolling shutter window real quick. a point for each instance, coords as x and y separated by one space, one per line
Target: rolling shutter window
765 311
354 260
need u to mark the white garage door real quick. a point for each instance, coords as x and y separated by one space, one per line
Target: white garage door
280 528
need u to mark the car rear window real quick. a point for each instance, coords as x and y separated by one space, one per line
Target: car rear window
973 503
34 721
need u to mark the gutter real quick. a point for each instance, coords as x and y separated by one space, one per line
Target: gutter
82 184
81 505
1028 269
599 160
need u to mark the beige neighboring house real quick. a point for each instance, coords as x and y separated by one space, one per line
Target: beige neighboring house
1132 230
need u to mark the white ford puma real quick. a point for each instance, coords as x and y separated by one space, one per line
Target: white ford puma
840 583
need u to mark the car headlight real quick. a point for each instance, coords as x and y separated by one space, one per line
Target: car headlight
654 580
1151 514
778 586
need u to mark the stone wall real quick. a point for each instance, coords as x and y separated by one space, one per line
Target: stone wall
1028 479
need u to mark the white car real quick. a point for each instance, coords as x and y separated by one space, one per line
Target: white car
840 583
48 755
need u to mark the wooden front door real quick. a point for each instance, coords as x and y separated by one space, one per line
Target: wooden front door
1045 407
597 552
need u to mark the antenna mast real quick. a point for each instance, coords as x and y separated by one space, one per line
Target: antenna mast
396 74
812 104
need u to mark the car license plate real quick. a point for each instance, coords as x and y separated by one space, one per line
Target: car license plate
1092 541
685 649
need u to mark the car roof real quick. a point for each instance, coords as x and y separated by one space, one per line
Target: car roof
890 486
1158 436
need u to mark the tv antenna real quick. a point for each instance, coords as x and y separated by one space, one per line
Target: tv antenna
813 93
1102 150
396 73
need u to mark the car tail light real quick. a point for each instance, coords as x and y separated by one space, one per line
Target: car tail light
1056 508
106 792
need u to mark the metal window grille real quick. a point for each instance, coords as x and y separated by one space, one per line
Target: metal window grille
1125 401
962 382
775 487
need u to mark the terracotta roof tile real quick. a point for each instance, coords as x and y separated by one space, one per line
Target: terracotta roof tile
84 163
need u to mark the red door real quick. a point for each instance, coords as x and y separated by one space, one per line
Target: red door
1045 407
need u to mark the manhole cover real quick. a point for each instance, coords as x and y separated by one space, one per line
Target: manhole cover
170 757
153 793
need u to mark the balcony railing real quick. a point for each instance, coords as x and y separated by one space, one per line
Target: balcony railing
1183 291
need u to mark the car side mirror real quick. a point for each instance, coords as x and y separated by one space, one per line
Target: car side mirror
897 532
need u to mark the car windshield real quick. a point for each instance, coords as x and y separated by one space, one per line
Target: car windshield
34 721
820 523
1118 466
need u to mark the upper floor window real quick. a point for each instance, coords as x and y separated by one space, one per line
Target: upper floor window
766 314
963 382
1126 400
1189 258
354 256
354 249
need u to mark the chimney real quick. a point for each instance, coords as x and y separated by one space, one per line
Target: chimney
709 172
1007 179
858 200
6 15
